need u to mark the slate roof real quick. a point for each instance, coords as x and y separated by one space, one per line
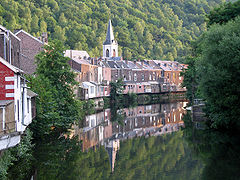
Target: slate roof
121 64
5 102
163 64
112 64
110 36
131 65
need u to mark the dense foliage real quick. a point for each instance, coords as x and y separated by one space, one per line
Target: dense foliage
217 69
17 161
158 29
224 13
220 73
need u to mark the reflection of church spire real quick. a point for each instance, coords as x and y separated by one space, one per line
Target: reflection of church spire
112 147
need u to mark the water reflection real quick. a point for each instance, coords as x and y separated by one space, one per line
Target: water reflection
148 120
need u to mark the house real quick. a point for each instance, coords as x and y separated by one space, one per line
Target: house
10 47
77 55
30 47
17 102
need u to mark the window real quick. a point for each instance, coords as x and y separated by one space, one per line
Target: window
92 89
140 87
107 53
135 77
18 108
28 105
114 53
142 77
129 76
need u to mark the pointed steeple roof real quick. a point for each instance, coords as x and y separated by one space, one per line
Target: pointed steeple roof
110 36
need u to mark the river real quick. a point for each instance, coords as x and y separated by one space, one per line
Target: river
148 142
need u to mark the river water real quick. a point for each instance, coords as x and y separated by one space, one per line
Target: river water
143 142
157 141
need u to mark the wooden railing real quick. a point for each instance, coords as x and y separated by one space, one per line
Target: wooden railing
9 128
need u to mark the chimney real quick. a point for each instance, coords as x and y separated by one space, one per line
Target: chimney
135 62
142 62
126 61
147 62
71 54
44 37
92 61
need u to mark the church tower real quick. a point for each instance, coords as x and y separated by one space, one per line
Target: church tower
110 46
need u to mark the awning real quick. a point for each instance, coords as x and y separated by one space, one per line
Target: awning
5 102
31 93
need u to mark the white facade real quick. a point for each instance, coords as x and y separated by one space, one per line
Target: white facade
110 46
76 54
91 90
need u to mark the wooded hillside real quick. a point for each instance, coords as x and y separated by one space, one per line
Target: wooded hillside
152 29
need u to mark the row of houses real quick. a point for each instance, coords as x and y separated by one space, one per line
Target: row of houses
142 76
139 76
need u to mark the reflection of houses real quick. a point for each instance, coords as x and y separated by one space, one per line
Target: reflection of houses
139 121
17 103
149 120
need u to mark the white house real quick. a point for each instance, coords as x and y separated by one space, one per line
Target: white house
17 103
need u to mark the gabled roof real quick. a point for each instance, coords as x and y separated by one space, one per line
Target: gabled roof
6 30
153 64
105 64
131 65
121 64
28 35
13 68
112 64
164 65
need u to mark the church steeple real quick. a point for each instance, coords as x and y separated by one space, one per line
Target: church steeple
110 36
110 45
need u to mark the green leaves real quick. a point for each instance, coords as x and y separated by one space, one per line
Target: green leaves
56 107
82 24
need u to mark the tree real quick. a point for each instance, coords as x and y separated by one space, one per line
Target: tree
54 82
220 73
224 13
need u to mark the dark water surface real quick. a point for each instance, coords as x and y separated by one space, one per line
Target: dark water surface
144 142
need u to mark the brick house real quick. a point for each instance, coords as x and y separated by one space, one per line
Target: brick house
30 47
